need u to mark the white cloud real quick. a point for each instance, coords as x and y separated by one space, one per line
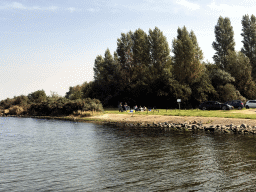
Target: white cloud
188 5
71 9
92 10
231 10
20 6
16 5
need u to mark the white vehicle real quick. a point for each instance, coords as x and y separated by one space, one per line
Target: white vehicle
250 104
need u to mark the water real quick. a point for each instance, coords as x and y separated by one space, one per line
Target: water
50 155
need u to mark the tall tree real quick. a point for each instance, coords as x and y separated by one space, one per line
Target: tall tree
104 67
240 68
249 40
141 55
125 55
224 41
98 67
187 57
159 51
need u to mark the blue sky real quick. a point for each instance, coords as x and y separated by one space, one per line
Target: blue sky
52 44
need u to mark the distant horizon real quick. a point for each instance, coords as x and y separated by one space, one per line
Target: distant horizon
52 45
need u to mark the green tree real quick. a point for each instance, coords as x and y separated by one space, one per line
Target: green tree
159 52
187 57
249 40
37 96
228 92
240 68
125 55
220 77
75 92
224 41
106 75
98 68
141 55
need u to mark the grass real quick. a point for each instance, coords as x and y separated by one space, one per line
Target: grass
189 112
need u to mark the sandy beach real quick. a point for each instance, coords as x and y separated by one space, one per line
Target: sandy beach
178 119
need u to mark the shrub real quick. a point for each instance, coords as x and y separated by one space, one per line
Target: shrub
6 111
16 110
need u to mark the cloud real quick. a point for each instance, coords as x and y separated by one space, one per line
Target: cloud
92 10
71 9
188 5
231 10
20 6
16 5
163 5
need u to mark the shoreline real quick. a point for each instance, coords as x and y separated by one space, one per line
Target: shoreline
166 123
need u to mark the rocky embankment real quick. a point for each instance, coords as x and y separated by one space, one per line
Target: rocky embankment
188 126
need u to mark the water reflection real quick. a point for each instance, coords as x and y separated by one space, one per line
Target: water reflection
66 156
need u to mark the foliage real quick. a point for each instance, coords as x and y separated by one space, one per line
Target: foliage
249 40
238 65
187 57
224 41
37 96
228 92
142 72
220 77
16 110
53 105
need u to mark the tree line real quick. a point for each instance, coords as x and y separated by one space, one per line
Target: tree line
142 71
38 104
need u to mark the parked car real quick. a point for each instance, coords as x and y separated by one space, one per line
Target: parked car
215 105
236 104
250 104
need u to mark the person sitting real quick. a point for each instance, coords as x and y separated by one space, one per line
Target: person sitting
144 108
125 106
136 108
141 109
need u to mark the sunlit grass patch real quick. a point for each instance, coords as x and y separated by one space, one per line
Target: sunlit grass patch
188 112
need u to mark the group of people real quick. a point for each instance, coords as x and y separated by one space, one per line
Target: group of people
122 107
136 108
125 107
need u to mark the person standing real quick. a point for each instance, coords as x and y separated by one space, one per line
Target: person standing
120 107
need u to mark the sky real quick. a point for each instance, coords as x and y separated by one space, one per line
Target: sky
52 44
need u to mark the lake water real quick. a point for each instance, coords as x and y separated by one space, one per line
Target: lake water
52 155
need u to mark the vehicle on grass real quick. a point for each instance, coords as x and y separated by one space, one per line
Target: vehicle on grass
250 104
236 104
214 105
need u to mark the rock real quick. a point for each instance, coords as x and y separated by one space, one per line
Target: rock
194 126
178 126
226 131
211 128
243 126
194 122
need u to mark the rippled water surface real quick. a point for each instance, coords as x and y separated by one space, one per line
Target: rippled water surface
49 155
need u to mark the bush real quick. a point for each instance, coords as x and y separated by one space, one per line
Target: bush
7 103
6 111
16 110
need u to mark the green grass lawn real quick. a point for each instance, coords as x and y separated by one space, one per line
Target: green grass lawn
189 112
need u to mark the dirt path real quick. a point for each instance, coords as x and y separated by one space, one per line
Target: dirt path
178 119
